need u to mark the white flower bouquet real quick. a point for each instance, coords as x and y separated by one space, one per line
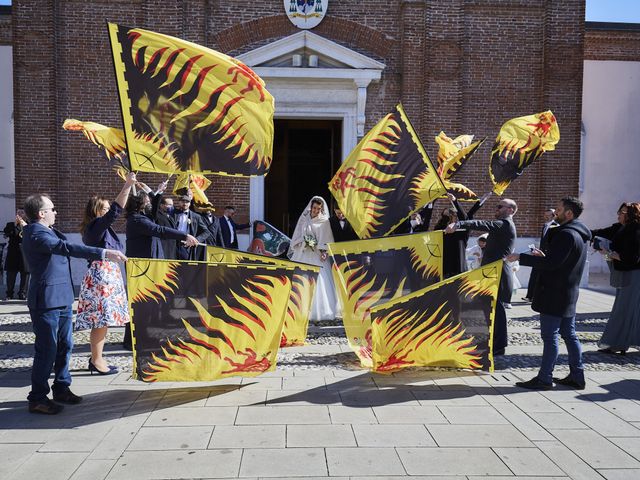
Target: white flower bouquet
311 241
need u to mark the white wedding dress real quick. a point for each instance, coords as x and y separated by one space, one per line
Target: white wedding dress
325 304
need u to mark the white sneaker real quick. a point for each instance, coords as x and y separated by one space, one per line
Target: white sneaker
506 305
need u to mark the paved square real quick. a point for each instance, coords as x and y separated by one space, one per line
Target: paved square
333 420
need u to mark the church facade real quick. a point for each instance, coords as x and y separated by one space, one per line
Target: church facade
461 66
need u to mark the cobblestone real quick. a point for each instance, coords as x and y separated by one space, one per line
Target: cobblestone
16 340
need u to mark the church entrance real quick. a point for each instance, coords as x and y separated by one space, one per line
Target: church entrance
306 155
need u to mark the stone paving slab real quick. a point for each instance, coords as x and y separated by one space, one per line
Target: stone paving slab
334 421
452 461
277 463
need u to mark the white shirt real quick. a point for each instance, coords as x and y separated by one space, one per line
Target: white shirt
182 221
232 233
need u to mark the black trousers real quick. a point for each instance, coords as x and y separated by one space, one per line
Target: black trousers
11 282
500 338
533 278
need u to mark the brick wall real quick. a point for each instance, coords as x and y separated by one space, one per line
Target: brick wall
463 66
612 41
5 26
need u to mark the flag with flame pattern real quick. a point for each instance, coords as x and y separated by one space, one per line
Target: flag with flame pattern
449 324
371 272
521 141
197 321
198 184
303 286
453 153
109 140
187 108
386 178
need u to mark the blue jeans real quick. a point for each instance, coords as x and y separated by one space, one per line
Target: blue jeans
52 351
550 326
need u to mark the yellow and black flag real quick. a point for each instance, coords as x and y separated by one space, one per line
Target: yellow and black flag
303 286
370 272
109 140
386 178
198 184
521 141
453 153
187 108
197 321
449 324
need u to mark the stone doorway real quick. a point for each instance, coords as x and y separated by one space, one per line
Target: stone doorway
306 155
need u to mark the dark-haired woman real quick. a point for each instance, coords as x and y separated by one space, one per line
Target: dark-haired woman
623 328
144 238
102 302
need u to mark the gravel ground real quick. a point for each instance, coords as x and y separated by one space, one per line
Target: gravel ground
16 339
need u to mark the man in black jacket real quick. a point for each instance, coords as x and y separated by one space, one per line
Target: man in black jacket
213 225
163 215
556 294
190 222
230 228
500 241
340 227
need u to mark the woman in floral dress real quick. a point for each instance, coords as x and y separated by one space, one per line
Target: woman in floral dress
102 302
309 245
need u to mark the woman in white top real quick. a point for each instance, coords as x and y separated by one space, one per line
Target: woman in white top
309 245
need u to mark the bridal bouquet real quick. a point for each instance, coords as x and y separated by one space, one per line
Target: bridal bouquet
311 241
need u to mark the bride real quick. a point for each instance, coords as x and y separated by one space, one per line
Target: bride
309 245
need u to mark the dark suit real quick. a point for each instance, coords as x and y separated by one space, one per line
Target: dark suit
143 237
195 227
544 243
213 225
340 233
168 244
226 232
50 299
500 242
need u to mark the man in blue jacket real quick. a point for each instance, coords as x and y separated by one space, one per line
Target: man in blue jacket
556 293
50 302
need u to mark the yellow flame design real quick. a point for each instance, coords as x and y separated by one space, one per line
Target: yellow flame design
296 322
402 338
151 280
240 91
242 341
360 181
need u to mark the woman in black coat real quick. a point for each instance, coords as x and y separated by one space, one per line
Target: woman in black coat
623 328
143 238
15 261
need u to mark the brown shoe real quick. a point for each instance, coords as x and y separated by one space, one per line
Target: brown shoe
45 407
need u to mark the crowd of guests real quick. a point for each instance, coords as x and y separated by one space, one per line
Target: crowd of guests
156 228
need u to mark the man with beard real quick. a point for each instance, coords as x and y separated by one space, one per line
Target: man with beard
163 216
500 241
556 293
213 225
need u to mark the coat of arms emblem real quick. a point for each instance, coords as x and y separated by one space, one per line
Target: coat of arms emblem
305 14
